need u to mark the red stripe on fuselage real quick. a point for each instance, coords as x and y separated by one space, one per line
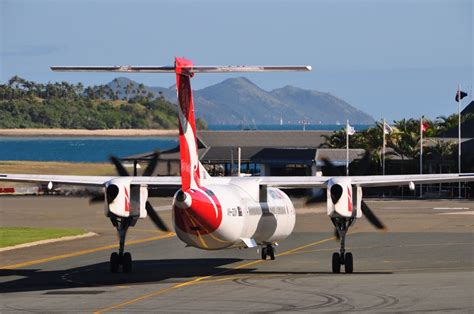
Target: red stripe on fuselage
127 201
349 199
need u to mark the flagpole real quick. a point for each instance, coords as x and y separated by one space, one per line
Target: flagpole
383 148
459 138
421 153
347 148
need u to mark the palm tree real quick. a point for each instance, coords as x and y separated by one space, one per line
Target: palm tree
405 139
441 152
335 140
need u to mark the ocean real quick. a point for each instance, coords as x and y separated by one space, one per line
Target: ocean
98 149
79 149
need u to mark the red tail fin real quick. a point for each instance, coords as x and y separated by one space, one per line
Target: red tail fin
187 126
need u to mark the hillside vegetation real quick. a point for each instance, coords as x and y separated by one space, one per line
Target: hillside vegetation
26 104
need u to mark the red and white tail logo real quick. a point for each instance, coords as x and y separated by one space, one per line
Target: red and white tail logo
187 128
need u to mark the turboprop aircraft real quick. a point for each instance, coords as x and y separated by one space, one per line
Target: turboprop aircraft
214 213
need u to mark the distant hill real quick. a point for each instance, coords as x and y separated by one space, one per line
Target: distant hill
240 101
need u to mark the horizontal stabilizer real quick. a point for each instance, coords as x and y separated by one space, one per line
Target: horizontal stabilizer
171 69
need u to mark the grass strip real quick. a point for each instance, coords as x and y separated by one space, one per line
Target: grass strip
10 236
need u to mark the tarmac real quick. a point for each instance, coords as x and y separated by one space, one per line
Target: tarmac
423 263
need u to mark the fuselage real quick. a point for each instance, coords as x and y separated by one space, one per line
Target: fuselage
219 215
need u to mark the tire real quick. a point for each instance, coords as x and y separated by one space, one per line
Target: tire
349 263
127 262
271 252
114 262
264 253
336 263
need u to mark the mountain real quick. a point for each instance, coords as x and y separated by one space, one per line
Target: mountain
240 101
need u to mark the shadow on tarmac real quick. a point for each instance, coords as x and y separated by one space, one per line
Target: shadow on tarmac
144 271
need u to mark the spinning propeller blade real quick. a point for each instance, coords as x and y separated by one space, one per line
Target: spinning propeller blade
119 167
150 169
100 198
369 214
155 218
329 170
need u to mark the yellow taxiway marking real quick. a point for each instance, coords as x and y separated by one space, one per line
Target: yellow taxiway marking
88 251
200 279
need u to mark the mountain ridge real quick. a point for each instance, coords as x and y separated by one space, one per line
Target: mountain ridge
240 101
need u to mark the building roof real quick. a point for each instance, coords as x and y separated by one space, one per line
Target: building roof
270 139
285 156
220 146
469 108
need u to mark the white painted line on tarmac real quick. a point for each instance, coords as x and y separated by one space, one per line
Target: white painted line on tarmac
458 213
68 238
450 208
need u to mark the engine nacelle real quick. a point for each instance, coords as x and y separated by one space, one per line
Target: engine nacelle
123 199
343 199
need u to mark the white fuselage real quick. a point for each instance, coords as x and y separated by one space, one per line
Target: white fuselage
243 216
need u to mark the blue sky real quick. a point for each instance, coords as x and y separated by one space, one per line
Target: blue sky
392 59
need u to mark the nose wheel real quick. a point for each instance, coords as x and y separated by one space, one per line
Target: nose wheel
117 260
342 257
268 251
346 260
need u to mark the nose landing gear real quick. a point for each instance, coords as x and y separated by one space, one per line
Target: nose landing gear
120 258
342 257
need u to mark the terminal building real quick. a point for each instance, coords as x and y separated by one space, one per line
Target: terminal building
270 153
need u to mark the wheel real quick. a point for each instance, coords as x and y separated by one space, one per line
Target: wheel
349 266
264 253
127 262
336 263
271 252
114 262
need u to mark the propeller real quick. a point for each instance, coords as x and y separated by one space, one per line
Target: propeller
149 170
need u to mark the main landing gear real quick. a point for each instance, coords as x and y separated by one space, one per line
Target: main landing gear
342 257
120 258
268 251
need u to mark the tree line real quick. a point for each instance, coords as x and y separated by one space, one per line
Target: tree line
27 104
404 142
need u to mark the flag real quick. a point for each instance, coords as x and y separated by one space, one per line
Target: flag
387 129
350 129
424 126
460 95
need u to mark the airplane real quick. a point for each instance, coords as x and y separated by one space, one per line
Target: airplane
213 213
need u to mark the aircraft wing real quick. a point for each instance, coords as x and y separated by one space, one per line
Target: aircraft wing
88 180
366 181
282 182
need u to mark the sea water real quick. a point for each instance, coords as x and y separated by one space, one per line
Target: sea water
79 149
